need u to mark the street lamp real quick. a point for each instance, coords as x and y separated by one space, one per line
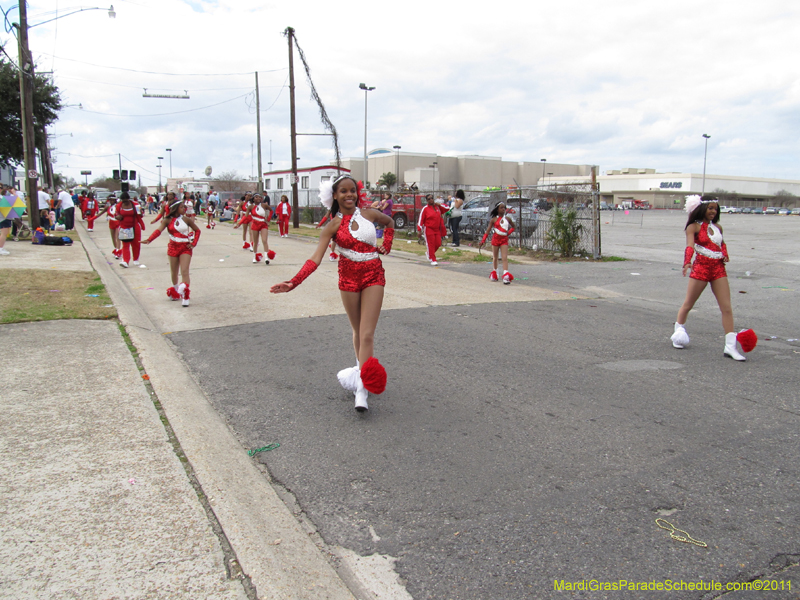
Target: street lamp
396 168
170 162
363 86
550 178
26 75
160 158
705 154
544 163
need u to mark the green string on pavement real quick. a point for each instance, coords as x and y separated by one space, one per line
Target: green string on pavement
264 449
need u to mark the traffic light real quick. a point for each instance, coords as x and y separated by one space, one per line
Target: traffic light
125 186
132 176
115 174
124 175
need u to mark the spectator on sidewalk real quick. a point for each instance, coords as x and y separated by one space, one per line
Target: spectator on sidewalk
5 224
44 209
67 207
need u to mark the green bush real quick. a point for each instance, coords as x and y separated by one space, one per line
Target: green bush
565 232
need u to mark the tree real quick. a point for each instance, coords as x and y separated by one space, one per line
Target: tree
107 183
387 179
228 181
784 198
46 106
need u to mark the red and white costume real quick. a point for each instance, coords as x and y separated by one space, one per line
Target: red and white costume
709 264
112 216
131 218
501 230
359 264
89 210
284 213
259 218
179 240
431 225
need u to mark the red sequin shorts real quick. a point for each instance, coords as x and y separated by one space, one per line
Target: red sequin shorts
258 225
708 269
357 276
178 248
499 240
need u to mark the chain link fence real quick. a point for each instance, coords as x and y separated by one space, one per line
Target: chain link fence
556 218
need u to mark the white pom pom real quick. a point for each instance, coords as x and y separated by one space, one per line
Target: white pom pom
680 339
349 378
326 194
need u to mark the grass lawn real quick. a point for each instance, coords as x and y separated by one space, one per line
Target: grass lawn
46 295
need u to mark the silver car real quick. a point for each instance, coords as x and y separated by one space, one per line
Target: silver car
475 213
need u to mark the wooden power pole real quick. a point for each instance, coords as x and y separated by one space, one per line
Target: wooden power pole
295 199
26 104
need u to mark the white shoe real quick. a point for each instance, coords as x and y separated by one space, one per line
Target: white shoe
123 264
90 230
434 263
730 347
680 339
180 288
4 251
361 397
136 263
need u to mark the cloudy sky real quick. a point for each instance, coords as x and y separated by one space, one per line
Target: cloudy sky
621 83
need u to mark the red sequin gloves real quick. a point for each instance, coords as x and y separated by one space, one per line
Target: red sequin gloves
154 235
388 236
485 235
308 268
725 251
687 255
196 238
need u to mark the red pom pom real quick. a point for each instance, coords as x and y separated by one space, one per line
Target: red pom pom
373 376
172 293
270 254
748 339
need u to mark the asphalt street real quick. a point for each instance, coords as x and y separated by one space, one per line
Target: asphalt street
533 441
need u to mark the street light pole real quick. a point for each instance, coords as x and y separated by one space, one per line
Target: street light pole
160 158
363 86
705 155
544 164
397 168
170 162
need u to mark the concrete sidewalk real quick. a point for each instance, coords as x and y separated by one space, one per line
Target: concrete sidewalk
94 497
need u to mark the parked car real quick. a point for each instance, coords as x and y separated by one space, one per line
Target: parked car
784 211
757 211
771 210
795 211
405 208
747 210
475 214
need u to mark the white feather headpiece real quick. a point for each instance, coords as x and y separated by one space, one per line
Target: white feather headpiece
692 202
326 194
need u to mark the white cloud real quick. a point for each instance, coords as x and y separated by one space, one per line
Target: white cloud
622 83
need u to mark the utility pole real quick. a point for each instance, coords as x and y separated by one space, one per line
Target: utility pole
295 200
26 105
258 139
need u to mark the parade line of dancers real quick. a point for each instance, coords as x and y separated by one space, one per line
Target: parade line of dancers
363 235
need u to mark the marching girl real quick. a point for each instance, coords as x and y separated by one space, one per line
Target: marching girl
501 227
162 210
243 209
110 209
258 218
129 218
361 279
211 209
431 225
284 211
333 257
704 237
179 249
89 210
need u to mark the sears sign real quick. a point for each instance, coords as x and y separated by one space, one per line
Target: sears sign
676 185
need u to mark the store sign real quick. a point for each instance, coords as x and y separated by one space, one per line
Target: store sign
671 185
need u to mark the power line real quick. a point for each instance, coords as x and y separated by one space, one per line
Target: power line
94 112
161 73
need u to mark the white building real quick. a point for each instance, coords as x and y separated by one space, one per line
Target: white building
668 190
278 183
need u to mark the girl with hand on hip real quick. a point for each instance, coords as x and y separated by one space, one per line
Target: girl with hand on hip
361 279
704 236
260 216
129 231
501 227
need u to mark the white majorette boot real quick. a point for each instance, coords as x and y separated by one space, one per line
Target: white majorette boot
730 347
361 397
680 339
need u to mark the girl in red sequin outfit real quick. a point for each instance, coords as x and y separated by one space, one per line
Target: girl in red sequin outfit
179 249
704 237
501 226
361 280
